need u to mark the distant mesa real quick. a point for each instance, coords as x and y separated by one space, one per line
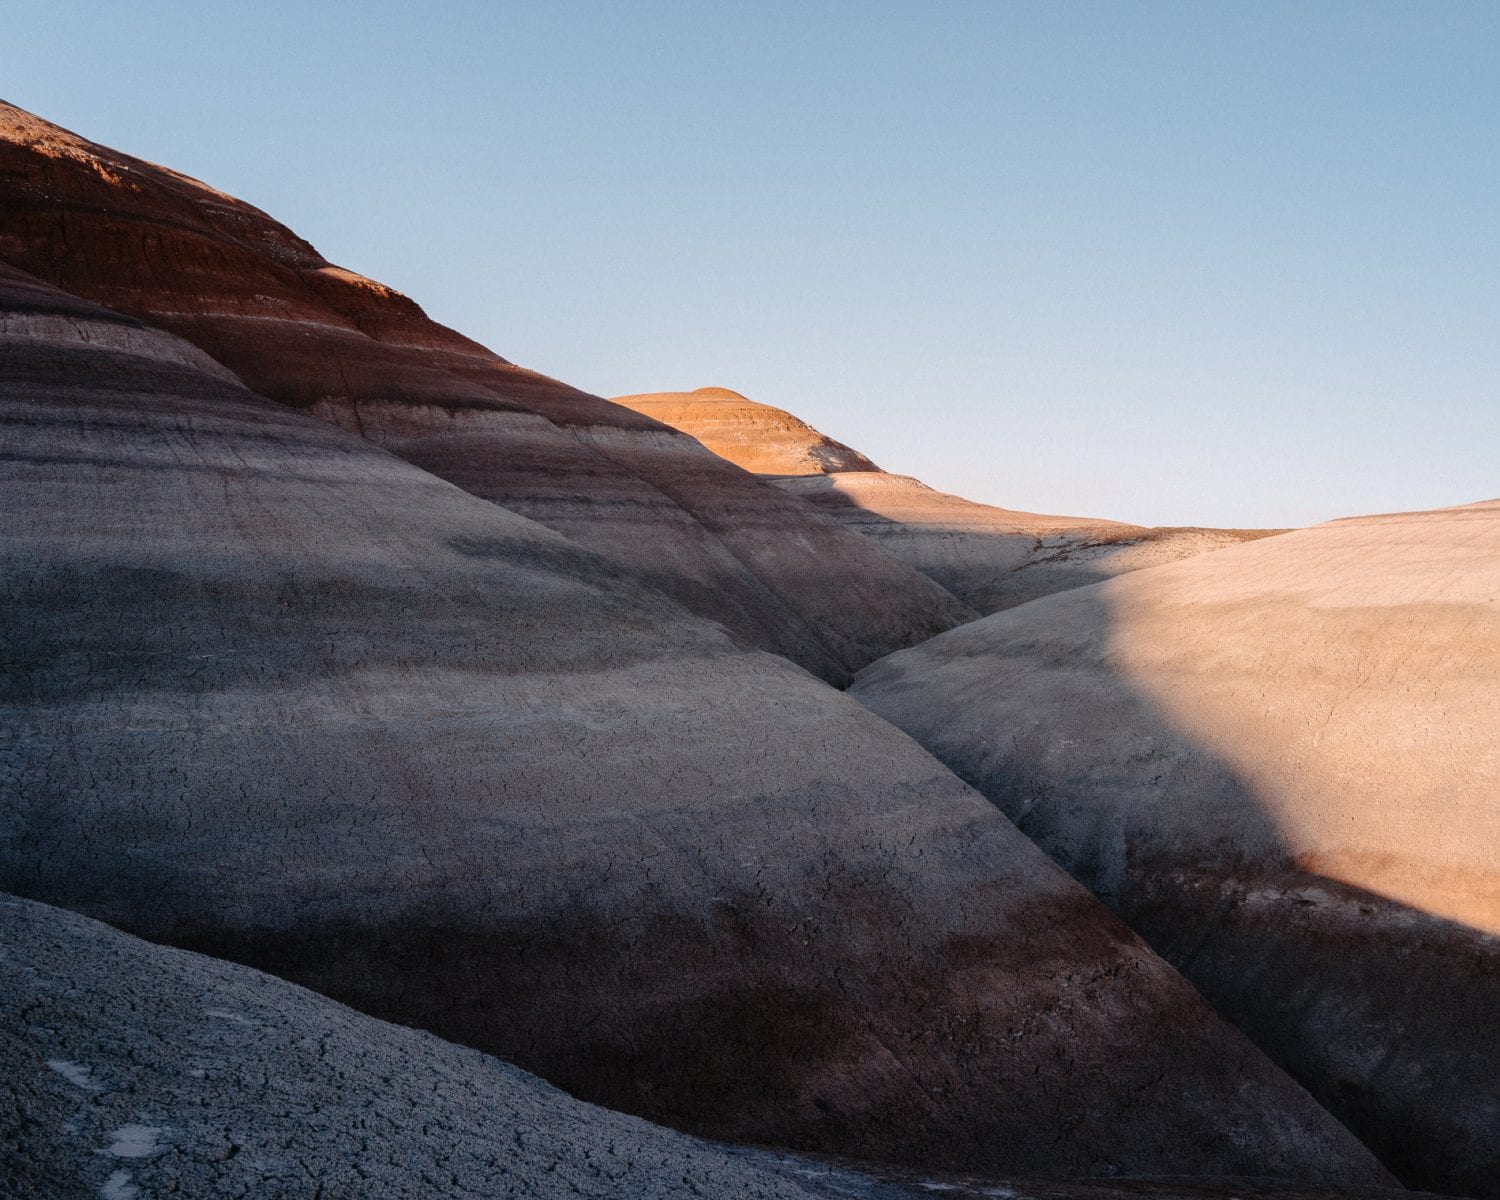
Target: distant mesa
766 440
990 558
1280 763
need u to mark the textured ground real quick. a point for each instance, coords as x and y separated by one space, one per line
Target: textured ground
1280 763
132 1071
150 243
129 1070
991 558
273 693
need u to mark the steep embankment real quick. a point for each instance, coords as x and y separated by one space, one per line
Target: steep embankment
991 558
274 693
148 242
1280 763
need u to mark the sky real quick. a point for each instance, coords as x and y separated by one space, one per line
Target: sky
1175 263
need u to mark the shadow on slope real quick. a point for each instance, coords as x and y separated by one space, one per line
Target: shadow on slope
1380 1009
993 558
141 1070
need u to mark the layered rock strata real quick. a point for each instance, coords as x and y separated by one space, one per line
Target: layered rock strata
766 440
130 1070
991 558
151 243
138 1070
273 693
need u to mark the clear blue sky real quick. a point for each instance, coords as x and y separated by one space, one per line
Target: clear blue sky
1199 262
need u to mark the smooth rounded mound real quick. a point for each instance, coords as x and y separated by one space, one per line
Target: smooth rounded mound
145 1071
141 1071
1279 762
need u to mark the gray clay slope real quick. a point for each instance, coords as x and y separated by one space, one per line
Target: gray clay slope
148 242
129 1070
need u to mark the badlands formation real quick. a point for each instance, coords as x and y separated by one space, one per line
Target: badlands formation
274 693
1280 763
766 440
990 558
164 1072
338 647
150 243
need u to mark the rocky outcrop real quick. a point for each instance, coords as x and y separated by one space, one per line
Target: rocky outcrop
991 558
1280 764
133 1070
150 243
273 693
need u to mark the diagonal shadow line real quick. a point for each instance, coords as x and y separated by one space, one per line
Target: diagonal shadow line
1381 1010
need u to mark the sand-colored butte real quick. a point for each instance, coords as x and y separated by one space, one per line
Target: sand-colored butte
766 440
1281 763
148 242
147 1071
273 693
990 558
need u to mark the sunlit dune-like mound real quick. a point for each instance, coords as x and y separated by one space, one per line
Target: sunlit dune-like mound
991 558
273 693
1281 764
154 244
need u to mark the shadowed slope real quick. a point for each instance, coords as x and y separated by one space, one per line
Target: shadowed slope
991 558
274 693
148 242
996 558
141 1070
1280 763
